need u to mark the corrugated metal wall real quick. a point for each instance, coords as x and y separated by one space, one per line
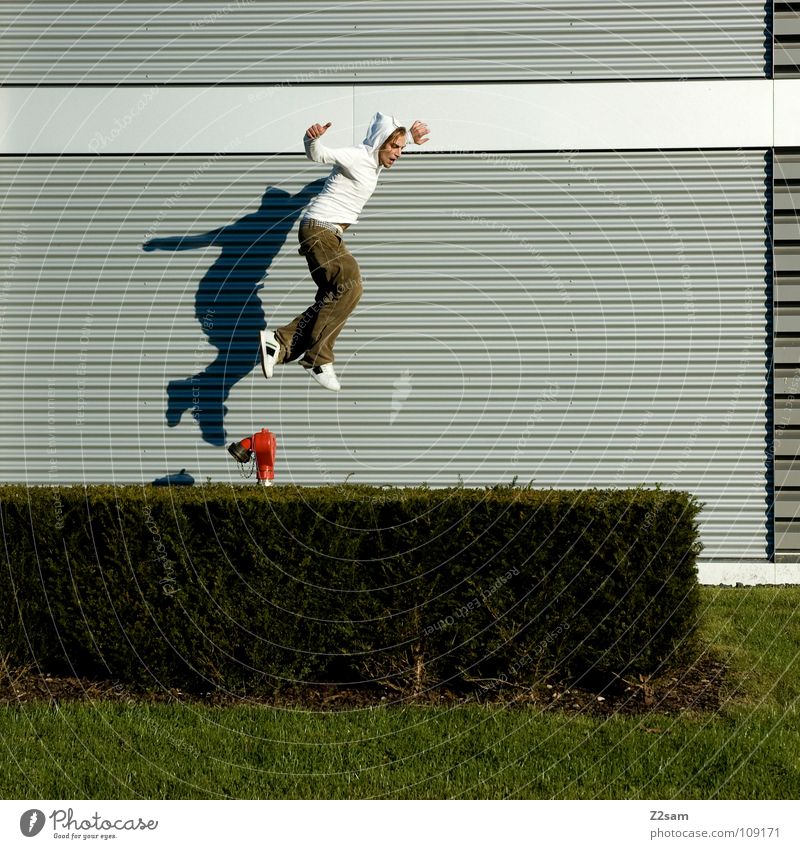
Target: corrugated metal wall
261 41
786 295
787 40
574 319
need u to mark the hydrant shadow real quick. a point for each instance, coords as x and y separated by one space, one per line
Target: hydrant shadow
227 304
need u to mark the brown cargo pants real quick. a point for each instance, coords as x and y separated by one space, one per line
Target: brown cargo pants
312 334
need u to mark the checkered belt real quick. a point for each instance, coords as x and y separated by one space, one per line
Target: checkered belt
327 225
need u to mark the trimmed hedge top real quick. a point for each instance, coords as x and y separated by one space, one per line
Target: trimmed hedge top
252 588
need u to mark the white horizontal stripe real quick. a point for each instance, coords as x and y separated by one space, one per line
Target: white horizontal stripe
787 113
749 573
479 117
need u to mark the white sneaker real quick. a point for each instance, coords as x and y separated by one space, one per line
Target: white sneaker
326 377
268 346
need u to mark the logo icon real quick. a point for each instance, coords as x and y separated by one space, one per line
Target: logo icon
402 389
31 822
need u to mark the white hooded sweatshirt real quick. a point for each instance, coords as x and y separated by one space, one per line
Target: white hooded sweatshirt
355 173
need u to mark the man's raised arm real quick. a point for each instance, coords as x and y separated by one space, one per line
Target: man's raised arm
317 152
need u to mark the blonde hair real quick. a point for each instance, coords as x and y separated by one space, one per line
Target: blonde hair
393 135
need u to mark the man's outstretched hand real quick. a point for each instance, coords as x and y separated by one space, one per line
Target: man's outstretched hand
316 130
419 132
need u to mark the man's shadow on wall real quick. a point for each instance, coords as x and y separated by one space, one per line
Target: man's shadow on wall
227 304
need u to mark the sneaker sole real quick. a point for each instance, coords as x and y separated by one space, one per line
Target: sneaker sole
262 350
329 388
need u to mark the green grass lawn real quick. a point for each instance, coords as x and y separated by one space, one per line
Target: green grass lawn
749 749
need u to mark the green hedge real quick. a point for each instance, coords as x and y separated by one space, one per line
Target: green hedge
250 589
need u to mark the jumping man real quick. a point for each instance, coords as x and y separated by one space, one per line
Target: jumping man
310 337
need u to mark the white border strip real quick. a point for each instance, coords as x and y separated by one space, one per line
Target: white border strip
466 823
787 113
749 574
272 119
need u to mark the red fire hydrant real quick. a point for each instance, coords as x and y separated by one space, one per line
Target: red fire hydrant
262 445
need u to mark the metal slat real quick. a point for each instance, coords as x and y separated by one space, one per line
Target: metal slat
787 319
788 508
786 383
786 474
787 413
304 41
786 23
788 57
787 536
787 228
787 258
786 199
784 354
494 339
786 50
788 447
787 167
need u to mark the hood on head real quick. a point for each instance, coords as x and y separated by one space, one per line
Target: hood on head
380 128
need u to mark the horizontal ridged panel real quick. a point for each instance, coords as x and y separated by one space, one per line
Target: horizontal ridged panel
787 540
786 295
787 474
787 321
303 41
787 167
786 198
786 35
568 319
787 54
786 325
787 228
787 509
